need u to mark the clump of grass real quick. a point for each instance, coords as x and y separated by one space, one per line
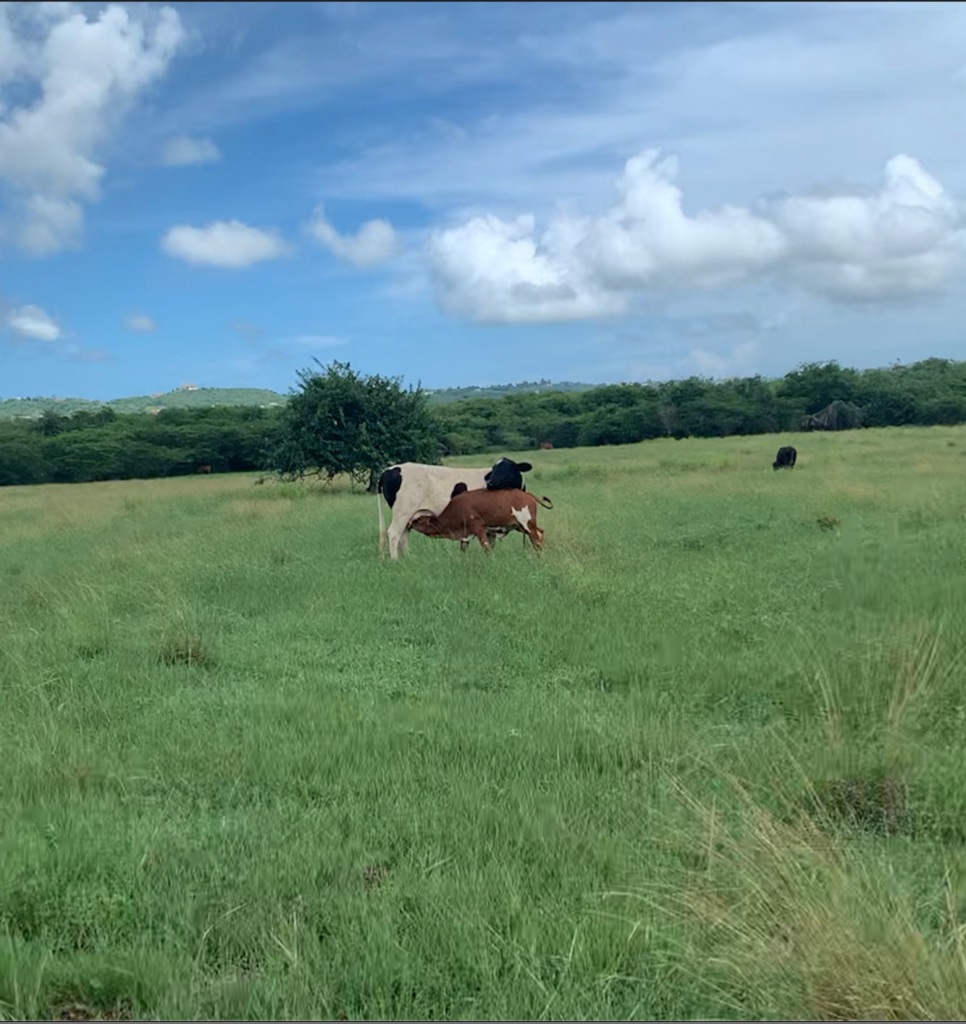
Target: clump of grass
280 556
828 523
93 648
787 915
876 803
73 1010
182 650
373 875
794 924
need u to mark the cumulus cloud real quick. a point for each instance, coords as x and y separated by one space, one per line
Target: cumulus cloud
902 241
32 322
496 271
375 242
78 75
182 150
223 244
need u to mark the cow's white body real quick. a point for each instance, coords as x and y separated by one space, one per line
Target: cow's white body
423 487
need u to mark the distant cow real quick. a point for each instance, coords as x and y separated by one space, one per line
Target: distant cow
477 513
507 475
410 486
545 446
786 457
203 469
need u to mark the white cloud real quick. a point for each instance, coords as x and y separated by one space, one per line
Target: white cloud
494 271
714 85
375 242
141 323
906 240
183 150
32 322
86 75
647 239
223 244
902 241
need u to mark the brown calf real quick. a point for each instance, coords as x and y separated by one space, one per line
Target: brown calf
474 513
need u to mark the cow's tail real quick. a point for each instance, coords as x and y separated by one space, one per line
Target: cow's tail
382 520
544 502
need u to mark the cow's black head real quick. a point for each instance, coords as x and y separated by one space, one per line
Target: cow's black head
507 475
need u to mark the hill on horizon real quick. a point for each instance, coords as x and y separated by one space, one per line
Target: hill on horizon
196 398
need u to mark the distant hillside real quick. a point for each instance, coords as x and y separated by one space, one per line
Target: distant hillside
194 398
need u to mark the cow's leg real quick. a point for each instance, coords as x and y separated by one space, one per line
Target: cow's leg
395 535
404 542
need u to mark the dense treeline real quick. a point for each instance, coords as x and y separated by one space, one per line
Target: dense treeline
104 445
929 392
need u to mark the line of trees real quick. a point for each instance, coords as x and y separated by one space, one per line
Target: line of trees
929 392
338 421
106 445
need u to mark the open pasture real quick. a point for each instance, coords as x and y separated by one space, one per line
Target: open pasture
702 757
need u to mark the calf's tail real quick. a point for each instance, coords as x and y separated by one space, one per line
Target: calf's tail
543 502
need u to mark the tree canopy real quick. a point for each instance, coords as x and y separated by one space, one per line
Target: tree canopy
339 421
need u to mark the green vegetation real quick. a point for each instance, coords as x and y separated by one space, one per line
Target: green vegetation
700 759
527 387
929 392
342 422
203 398
103 445
197 398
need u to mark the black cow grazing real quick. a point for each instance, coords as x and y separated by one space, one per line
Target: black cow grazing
785 458
507 475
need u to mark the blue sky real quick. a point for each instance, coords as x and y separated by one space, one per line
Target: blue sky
475 193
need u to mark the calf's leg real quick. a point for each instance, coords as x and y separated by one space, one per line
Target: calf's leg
479 531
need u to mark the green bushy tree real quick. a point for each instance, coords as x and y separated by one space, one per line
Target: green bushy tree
340 421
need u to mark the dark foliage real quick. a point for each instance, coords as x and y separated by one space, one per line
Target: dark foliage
340 422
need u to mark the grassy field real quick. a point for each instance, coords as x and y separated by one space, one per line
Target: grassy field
702 758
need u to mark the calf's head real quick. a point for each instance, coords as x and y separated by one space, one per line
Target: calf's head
426 524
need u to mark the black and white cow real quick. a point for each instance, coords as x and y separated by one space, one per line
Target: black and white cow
411 486
786 457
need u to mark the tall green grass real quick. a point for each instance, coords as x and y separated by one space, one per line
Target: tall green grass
702 757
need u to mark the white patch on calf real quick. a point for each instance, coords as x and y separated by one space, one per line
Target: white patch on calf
522 516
